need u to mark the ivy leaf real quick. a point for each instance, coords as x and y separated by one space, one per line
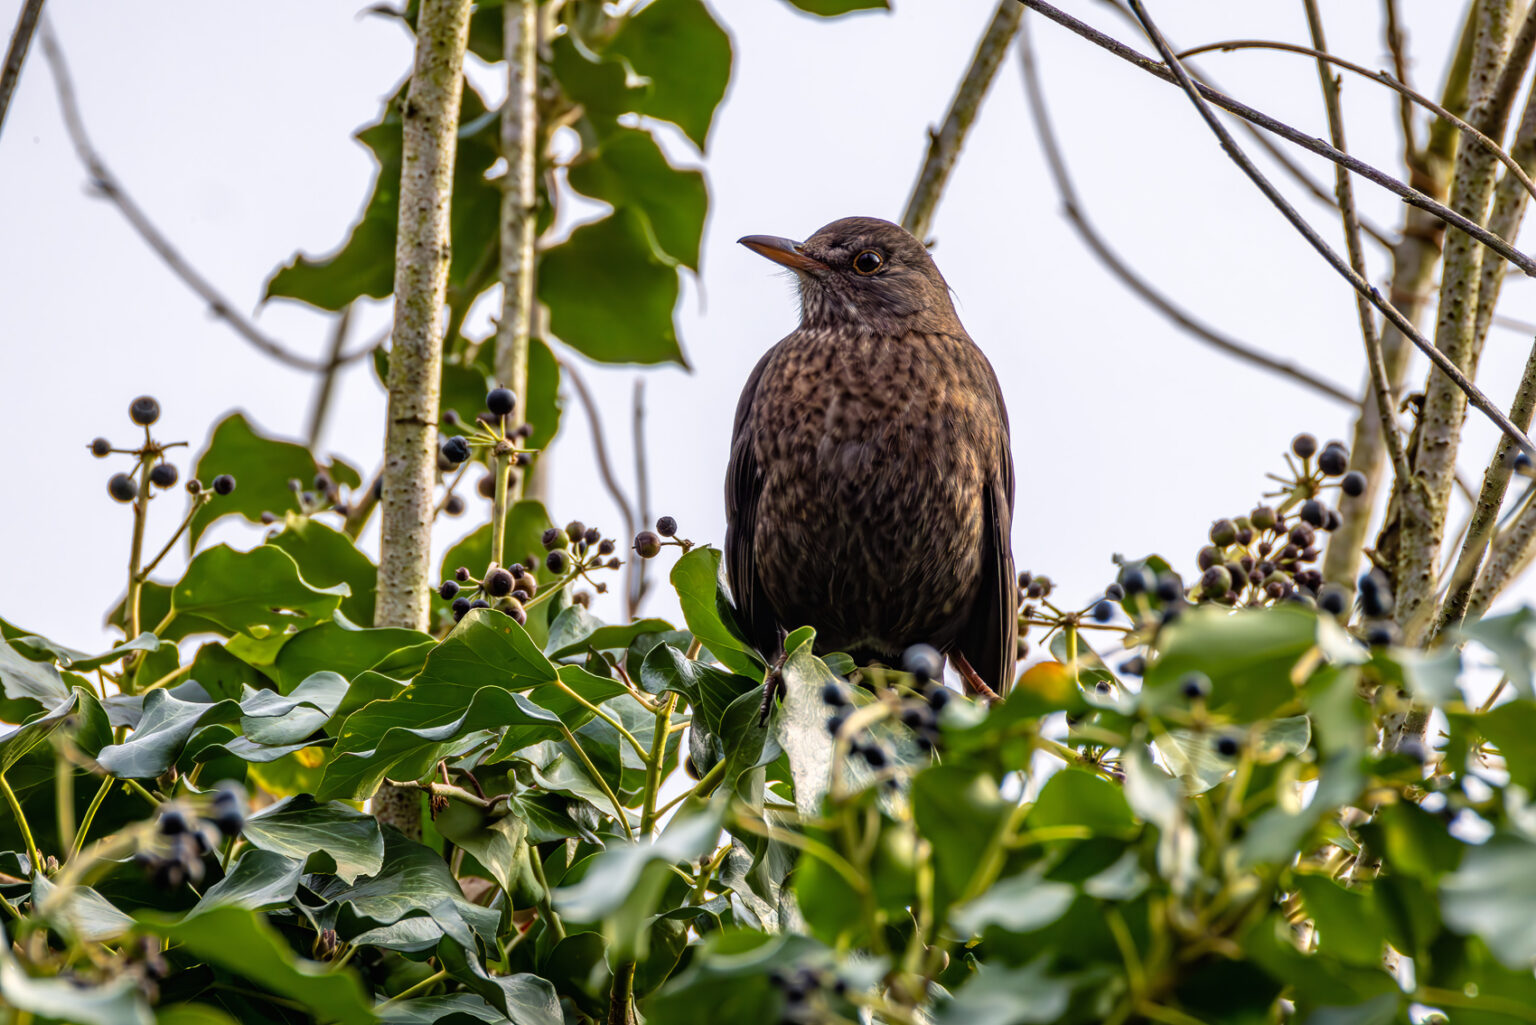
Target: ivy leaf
610 296
627 169
833 8
576 631
267 717
1008 996
261 466
22 679
1512 639
342 648
1248 656
1493 895
259 880
701 591
682 49
163 729
327 557
116 1002
254 592
331 837
41 649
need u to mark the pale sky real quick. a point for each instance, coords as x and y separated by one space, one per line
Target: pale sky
233 130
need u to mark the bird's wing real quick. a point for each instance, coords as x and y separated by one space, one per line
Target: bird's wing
743 486
990 637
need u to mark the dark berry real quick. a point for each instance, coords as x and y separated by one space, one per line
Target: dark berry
520 595
268 518
923 661
1195 686
835 722
1208 556
1169 588
516 611
1262 517
223 484
461 574
1304 445
1334 521
172 822
499 582
833 695
1334 460
123 487
460 606
228 809
1024 579
1223 532
1136 665
592 536
874 755
1244 535
552 539
666 526
479 603
295 485
448 590
647 544
555 562
378 488
1312 512
1136 580
614 563
454 506
938 697
1114 592
1227 746
1103 689
1375 595
1103 612
1353 484
144 411
917 716
574 530
1522 463
307 499
163 475
1302 534
487 486
605 546
500 401
1380 634
101 448
1216 581
456 449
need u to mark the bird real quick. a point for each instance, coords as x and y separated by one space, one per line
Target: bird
869 490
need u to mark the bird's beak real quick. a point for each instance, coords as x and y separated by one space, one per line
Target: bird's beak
783 251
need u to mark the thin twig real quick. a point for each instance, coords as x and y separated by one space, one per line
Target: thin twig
1383 78
1397 47
1073 208
944 144
1474 394
600 449
327 383
16 53
1381 385
106 183
1408 193
635 585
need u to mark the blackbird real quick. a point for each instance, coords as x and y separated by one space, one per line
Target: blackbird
870 486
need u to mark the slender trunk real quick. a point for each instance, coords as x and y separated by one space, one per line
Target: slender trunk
422 248
519 200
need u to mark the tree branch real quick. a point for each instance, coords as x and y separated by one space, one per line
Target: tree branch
1073 209
635 583
519 200
322 402
1408 193
1508 556
600 449
16 53
106 183
944 144
430 118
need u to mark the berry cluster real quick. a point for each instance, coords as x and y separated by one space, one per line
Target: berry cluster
648 543
570 553
153 470
181 842
489 432
801 987
915 702
324 496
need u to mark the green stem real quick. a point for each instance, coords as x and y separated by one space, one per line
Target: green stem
90 816
597 777
405 994
546 907
634 742
499 465
21 821
135 560
64 797
197 503
705 787
621 997
653 765
138 788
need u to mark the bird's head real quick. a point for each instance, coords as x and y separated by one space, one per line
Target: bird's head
866 274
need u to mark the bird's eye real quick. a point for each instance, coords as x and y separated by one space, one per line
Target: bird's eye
868 262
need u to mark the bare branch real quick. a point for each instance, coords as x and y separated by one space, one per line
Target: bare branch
1073 209
106 183
1397 46
519 199
16 53
636 584
322 403
1508 556
600 449
1380 391
944 144
1408 193
1474 394
1385 79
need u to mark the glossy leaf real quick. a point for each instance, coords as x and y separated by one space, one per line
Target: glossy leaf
679 46
327 557
331 837
701 591
253 592
261 465
628 170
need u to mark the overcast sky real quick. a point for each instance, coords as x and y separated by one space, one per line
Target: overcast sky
233 130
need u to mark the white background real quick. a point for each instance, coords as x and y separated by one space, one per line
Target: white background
231 126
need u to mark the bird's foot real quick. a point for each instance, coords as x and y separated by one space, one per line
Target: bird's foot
773 686
975 686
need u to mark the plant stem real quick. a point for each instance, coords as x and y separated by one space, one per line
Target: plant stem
597 777
499 466
406 994
136 556
546 907
16 52
90 816
21 823
519 199
653 764
621 998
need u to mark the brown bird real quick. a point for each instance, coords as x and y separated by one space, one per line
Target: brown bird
870 486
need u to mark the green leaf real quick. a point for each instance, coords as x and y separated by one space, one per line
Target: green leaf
545 404
261 466
959 811
163 729
1075 797
41 649
272 719
345 649
800 726
117 1002
833 8
1512 726
1008 996
1493 895
610 296
452 1009
1193 757
1248 655
679 46
1277 834
328 557
1349 924
33 731
1021 904
526 522
22 679
239 941
258 880
331 838
252 592
82 914
1512 639
628 170
701 591
486 648
727 979
576 631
